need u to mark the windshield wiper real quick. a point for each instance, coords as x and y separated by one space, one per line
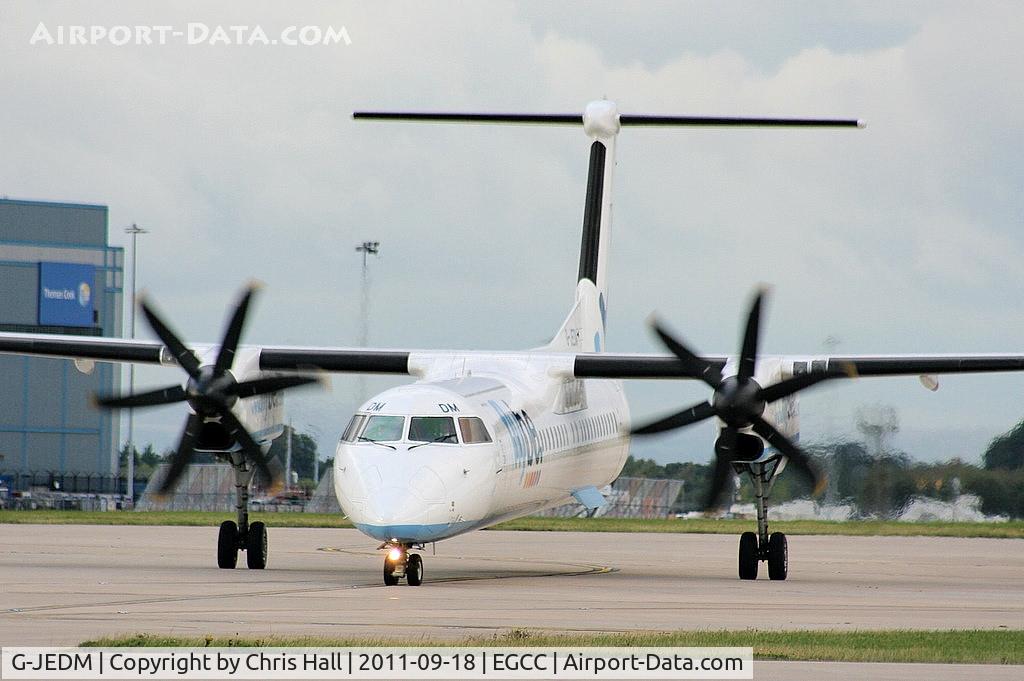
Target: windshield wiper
439 438
376 442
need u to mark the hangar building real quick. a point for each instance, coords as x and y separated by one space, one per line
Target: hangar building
58 275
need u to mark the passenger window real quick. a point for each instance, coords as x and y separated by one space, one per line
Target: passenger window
383 428
432 429
473 430
353 427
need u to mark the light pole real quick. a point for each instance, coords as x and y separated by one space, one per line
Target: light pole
316 457
135 231
288 458
366 248
831 435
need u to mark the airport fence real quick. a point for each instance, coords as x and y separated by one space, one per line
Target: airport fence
62 481
211 487
204 487
323 499
630 498
61 490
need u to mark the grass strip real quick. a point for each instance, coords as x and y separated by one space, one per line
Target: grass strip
885 528
175 518
969 646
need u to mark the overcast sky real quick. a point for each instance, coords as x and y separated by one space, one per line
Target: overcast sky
243 162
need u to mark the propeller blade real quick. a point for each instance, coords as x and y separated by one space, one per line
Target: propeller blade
722 475
796 456
185 357
271 384
694 365
697 412
251 448
168 395
226 355
791 385
182 457
748 354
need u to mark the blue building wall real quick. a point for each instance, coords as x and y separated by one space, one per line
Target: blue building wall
47 420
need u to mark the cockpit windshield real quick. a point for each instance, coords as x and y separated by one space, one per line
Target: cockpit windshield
473 430
432 429
383 428
422 429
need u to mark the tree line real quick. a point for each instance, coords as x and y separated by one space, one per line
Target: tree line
877 485
304 454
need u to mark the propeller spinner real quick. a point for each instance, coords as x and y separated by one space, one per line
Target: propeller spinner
211 391
739 402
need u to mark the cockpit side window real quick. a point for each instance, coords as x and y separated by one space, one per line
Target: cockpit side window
432 429
353 427
383 428
473 430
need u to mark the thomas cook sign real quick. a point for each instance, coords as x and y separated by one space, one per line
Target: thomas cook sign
65 294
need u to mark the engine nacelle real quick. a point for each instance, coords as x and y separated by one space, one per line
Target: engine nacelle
748 448
263 415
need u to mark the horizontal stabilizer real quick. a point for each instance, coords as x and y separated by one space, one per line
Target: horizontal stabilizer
440 117
632 119
623 119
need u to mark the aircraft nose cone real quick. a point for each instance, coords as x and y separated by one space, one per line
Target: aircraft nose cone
394 506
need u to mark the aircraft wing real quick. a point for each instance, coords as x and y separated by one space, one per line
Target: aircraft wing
582 365
612 365
85 347
272 358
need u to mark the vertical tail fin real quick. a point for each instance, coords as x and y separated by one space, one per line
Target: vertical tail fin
584 328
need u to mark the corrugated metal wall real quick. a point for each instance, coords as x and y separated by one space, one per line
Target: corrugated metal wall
47 421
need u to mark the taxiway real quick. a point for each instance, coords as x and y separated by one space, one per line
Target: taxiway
66 584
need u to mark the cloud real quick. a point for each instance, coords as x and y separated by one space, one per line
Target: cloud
244 162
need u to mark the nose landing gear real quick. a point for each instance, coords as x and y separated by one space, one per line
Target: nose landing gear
399 563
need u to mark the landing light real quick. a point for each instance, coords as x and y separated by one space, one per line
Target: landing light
395 554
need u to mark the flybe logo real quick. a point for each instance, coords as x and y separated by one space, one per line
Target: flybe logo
526 447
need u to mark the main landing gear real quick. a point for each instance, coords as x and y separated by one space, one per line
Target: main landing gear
399 563
761 546
241 536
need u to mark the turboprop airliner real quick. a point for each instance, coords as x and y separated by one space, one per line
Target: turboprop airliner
483 437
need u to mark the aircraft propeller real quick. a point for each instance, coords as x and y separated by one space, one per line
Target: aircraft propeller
211 391
739 402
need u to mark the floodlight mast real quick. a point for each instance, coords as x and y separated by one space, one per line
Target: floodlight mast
366 248
371 247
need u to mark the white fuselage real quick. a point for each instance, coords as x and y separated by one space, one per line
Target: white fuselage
543 443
